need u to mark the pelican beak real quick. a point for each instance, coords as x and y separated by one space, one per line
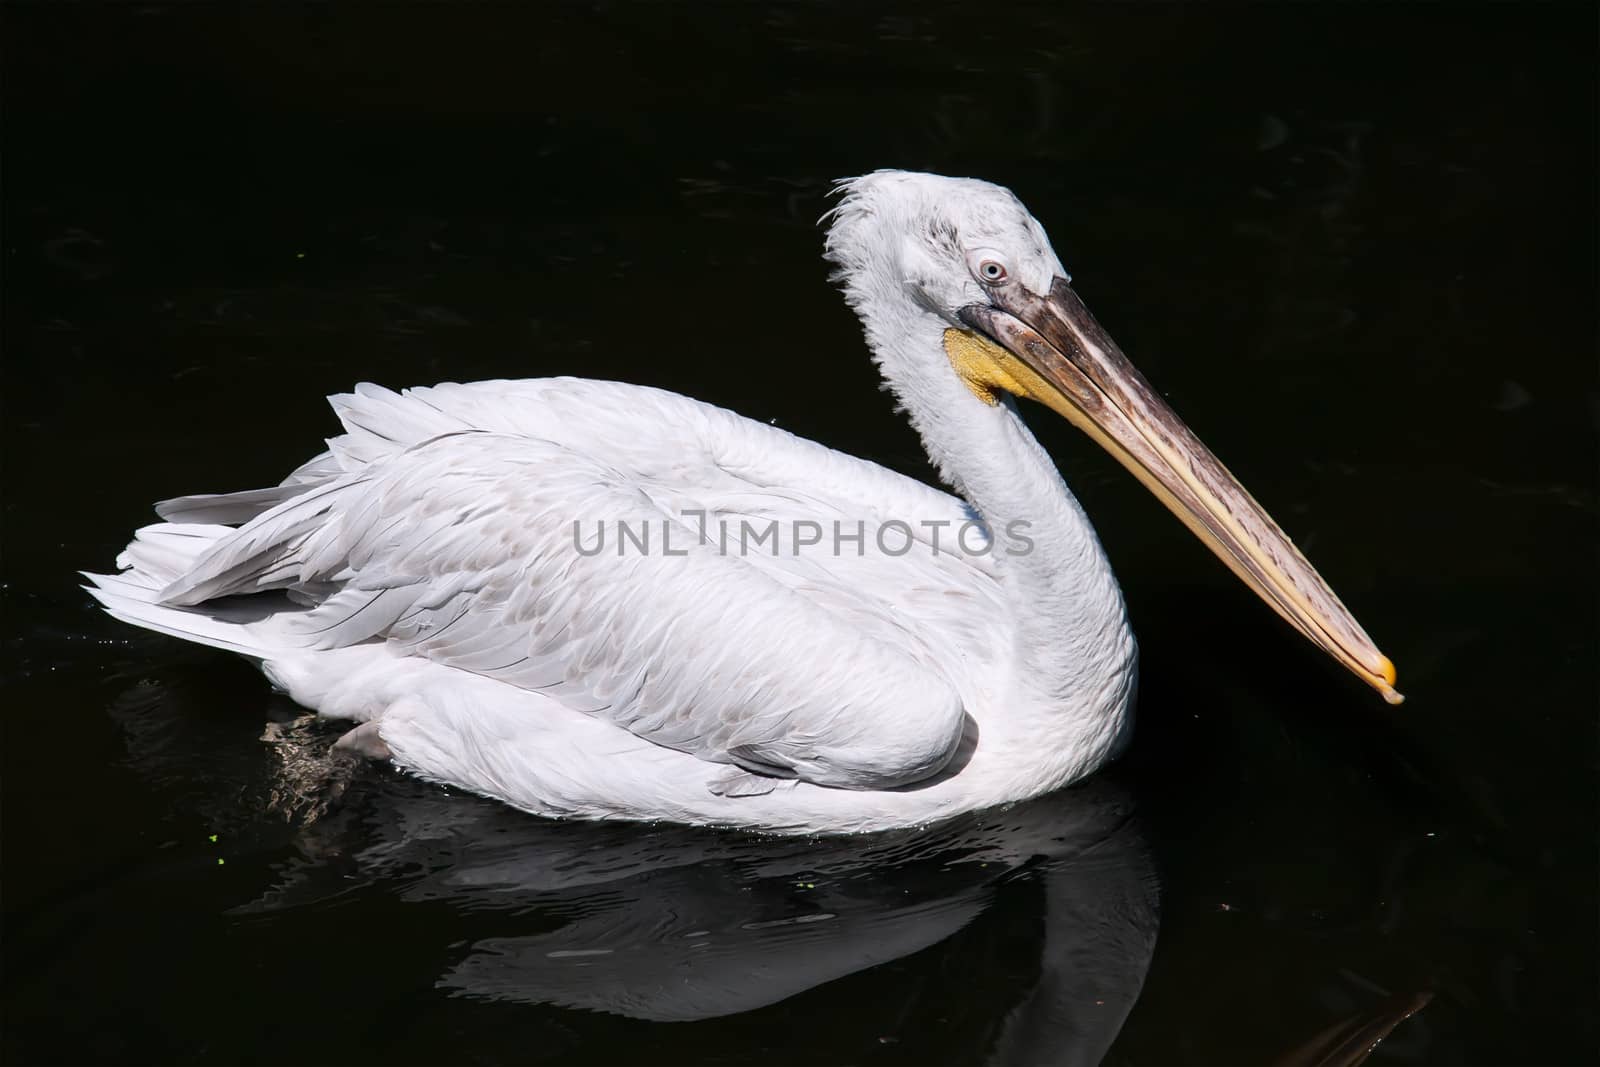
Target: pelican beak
1050 349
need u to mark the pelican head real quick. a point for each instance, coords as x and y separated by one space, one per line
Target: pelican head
920 251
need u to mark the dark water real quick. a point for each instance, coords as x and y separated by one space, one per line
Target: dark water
1355 245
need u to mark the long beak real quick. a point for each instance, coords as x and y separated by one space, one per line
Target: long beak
1065 360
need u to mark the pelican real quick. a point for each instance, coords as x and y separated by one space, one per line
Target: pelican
529 589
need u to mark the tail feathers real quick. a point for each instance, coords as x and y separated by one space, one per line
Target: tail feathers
129 598
167 554
160 553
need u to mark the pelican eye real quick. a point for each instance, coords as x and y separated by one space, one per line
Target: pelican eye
992 271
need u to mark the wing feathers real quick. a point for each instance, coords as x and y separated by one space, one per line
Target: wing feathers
228 509
444 522
235 563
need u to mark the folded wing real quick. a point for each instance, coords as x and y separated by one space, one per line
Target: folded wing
481 527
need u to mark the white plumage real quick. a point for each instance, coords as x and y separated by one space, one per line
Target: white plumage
434 577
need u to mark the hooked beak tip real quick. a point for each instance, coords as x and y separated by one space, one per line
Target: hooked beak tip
1387 675
1380 675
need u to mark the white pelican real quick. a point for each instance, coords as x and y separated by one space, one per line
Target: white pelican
435 577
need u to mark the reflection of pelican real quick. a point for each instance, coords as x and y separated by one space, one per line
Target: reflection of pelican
679 924
435 590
